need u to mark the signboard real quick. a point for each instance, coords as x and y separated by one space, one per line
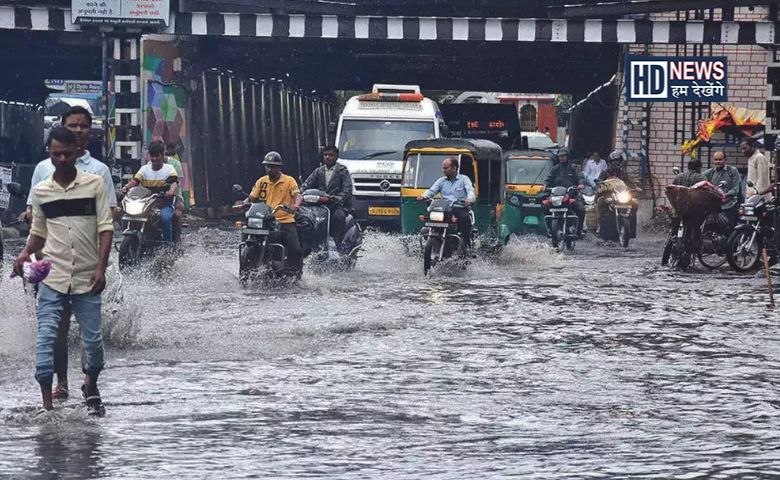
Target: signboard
6 176
121 13
676 79
75 87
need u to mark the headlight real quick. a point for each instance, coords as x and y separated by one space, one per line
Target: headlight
514 200
255 223
748 211
556 201
437 216
134 208
624 197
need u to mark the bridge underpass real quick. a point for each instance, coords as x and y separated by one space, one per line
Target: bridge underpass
323 53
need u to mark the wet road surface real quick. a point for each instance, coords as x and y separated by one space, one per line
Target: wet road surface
596 364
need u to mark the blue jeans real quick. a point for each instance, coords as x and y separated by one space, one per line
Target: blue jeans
166 218
86 306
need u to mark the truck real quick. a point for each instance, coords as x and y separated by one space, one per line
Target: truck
371 134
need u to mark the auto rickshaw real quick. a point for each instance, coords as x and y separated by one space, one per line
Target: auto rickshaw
480 160
524 174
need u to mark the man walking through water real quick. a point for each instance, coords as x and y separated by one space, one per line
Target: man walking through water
72 224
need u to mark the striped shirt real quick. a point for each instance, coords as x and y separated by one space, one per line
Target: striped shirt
70 220
158 181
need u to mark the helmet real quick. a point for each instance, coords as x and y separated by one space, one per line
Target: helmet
272 158
563 152
617 155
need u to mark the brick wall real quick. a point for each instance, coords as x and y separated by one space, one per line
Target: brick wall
747 88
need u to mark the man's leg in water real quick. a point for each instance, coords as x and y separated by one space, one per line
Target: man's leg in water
178 220
49 313
87 309
61 352
166 218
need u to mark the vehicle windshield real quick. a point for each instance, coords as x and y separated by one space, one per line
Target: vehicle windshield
540 142
527 172
380 139
422 170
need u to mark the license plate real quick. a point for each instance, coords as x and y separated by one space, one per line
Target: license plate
254 231
531 205
384 211
749 218
556 210
437 224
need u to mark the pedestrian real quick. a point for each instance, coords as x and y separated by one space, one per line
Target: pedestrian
72 225
594 167
334 179
79 121
758 168
730 177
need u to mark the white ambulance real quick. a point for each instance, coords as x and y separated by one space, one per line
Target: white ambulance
371 134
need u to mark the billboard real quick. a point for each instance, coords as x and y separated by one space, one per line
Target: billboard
152 13
676 79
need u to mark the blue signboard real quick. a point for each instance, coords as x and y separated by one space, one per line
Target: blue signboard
676 79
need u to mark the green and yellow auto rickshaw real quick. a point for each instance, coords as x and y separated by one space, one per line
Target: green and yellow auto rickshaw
480 160
521 210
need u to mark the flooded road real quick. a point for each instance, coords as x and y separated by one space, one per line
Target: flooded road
597 364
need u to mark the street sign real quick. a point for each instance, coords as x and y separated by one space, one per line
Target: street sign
676 79
121 13
6 177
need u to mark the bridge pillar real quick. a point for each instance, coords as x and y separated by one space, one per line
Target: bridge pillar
124 113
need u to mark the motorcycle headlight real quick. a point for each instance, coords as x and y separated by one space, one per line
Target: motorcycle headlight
514 200
134 208
624 197
255 223
556 201
437 216
748 211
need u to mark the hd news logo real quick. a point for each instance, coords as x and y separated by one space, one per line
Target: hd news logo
676 79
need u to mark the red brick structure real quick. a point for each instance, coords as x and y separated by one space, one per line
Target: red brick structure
670 124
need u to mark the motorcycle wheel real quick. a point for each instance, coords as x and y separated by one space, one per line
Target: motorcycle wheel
710 253
129 252
623 235
738 257
668 247
431 254
247 264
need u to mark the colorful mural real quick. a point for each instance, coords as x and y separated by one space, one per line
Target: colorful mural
166 106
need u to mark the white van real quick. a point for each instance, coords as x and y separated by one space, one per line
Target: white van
371 135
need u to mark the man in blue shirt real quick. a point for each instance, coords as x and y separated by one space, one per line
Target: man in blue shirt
455 188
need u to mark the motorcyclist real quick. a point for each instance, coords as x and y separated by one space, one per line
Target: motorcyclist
688 179
615 168
159 177
277 189
455 188
729 176
565 175
335 180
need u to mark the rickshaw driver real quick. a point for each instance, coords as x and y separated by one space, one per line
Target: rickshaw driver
455 188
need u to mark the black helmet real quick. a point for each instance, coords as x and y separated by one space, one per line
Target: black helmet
272 158
563 152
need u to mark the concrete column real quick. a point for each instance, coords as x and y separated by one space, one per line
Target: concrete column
125 120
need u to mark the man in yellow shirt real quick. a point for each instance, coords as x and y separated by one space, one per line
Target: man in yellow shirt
276 189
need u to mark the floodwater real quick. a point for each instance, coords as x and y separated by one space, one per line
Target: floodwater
596 364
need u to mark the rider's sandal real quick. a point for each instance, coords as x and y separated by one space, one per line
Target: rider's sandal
94 403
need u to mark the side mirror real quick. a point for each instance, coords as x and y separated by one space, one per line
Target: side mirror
237 188
676 171
332 128
14 189
721 184
750 184
445 130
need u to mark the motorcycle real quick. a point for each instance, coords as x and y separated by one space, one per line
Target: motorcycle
262 247
702 230
756 232
617 211
16 202
440 233
142 233
562 223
